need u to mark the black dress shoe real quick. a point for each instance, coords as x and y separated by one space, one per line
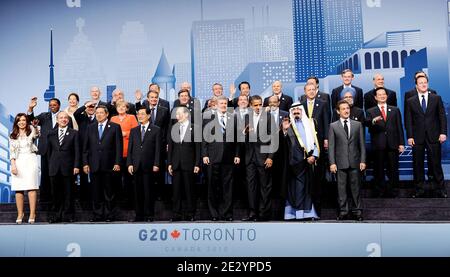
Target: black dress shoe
192 218
174 219
214 219
95 219
250 218
229 219
359 218
418 194
149 219
441 194
341 217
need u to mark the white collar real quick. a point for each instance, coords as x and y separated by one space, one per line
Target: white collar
104 123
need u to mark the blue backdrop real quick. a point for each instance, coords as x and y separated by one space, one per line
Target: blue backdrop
130 44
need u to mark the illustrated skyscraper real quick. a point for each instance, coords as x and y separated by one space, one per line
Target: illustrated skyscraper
218 53
50 92
325 33
133 58
80 67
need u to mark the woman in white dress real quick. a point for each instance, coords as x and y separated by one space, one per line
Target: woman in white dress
24 165
73 100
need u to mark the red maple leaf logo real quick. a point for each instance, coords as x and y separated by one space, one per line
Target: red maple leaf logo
175 234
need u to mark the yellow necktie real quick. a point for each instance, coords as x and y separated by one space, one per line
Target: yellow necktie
310 108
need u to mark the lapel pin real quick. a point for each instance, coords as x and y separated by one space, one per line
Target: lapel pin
389 109
317 105
109 126
356 118
67 133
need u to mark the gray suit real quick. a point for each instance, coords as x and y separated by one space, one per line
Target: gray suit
347 154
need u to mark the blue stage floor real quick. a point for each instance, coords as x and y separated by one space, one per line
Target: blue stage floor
238 239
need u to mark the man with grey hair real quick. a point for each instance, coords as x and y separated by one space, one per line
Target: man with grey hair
369 97
118 95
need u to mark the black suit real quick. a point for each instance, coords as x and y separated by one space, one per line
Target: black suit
193 104
386 137
63 158
411 93
161 103
357 99
324 97
425 128
143 155
259 178
113 111
321 116
221 147
83 120
285 102
46 123
101 154
370 102
183 156
356 114
234 103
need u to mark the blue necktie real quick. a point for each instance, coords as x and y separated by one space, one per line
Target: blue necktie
153 115
424 104
142 133
100 131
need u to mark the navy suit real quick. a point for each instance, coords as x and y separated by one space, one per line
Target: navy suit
425 128
101 154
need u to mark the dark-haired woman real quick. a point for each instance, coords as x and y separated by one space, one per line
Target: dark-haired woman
24 165
73 100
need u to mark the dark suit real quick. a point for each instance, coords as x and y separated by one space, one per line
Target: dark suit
357 99
240 182
161 103
321 116
62 161
324 97
193 104
279 161
234 103
370 102
101 154
259 178
183 156
347 153
285 102
230 104
221 147
46 123
425 128
143 155
386 137
113 111
411 93
83 120
356 114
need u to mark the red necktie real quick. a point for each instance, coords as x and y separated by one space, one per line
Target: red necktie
383 113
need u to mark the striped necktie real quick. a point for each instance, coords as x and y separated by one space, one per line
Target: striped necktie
61 136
